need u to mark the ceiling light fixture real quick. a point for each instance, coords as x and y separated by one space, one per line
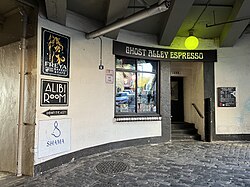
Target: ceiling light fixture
191 42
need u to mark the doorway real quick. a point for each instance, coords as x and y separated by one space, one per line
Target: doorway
187 90
177 106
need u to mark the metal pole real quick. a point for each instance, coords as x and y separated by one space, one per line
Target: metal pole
21 94
156 9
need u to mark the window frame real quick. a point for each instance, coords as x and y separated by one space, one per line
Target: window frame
136 71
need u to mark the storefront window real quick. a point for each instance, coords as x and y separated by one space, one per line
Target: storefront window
136 86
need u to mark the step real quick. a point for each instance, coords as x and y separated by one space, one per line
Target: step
185 137
184 131
182 126
184 140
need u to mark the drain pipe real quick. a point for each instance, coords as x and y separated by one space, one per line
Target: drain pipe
21 93
153 10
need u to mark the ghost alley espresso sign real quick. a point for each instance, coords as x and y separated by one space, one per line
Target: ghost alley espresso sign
54 93
55 54
135 51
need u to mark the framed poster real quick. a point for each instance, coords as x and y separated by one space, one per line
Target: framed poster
54 93
55 59
226 96
53 137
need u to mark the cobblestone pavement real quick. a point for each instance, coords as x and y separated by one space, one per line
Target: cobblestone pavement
166 164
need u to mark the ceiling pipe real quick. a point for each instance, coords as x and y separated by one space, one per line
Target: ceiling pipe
226 22
153 10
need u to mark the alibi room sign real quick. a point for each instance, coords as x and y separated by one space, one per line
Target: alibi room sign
55 54
54 93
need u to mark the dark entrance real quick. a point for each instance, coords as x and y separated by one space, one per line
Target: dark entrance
177 108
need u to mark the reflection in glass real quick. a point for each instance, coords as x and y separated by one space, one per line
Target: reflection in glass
174 90
136 86
146 65
146 92
125 63
125 92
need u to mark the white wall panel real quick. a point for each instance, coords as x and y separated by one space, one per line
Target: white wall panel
232 70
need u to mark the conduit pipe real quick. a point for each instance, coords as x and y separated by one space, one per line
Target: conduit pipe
21 93
153 10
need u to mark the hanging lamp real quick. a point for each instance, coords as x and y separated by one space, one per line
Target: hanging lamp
191 42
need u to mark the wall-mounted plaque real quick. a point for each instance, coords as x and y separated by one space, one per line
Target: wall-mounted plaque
54 93
109 77
55 60
58 112
226 96
53 137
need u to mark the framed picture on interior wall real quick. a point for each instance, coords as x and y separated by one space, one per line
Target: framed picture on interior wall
55 54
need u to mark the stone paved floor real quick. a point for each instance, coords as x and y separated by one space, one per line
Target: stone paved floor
169 164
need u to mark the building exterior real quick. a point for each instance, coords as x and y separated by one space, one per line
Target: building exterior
83 96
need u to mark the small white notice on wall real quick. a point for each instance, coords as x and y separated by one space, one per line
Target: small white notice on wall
109 77
53 137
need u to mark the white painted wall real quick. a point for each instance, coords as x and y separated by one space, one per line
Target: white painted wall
91 100
198 97
232 70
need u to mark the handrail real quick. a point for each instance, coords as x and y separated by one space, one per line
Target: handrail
197 110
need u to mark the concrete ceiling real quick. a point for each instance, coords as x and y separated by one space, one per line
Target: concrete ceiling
11 20
200 15
182 16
